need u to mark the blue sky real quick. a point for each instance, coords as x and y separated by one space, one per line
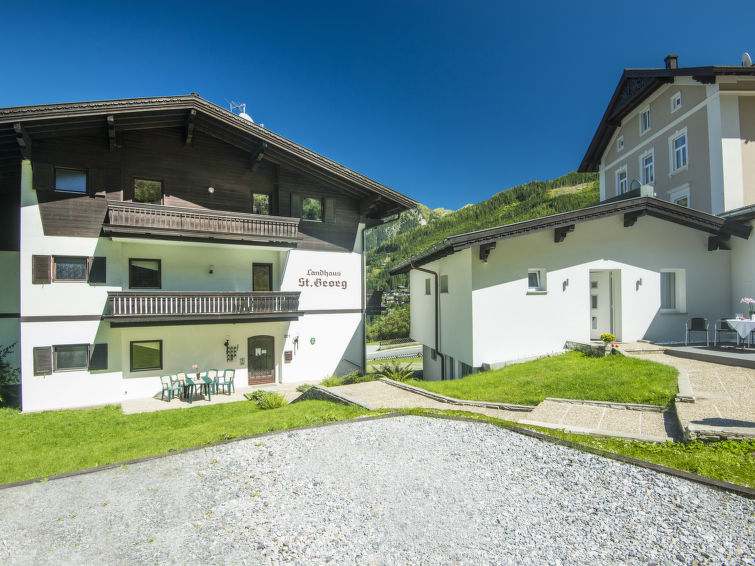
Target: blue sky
447 102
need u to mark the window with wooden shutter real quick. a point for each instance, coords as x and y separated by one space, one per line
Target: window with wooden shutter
40 269
97 357
43 360
43 176
330 210
97 270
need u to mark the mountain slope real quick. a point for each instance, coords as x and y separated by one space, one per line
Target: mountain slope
524 202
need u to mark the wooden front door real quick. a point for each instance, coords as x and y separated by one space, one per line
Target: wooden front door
261 351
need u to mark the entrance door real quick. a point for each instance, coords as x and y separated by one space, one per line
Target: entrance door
261 359
600 304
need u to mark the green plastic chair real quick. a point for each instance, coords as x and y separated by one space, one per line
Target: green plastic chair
185 389
169 387
213 375
225 380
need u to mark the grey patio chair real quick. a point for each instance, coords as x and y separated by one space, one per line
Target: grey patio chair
696 324
169 386
723 327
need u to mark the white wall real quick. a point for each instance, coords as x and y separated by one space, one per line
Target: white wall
742 273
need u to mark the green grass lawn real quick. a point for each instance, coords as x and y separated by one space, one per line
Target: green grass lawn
732 461
572 375
52 442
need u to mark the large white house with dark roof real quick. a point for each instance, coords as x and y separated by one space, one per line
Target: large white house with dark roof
670 239
143 236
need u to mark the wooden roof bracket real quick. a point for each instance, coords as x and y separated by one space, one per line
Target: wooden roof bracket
191 117
111 132
258 155
559 234
719 241
23 139
631 217
485 250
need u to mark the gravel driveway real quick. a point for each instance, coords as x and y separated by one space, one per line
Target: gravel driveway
405 490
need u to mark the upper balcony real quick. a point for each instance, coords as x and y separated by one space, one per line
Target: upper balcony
153 220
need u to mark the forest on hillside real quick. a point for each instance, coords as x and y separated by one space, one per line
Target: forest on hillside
524 202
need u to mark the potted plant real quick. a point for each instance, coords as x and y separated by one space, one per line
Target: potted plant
751 304
607 338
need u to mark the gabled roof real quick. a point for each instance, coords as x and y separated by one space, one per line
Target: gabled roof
182 110
632 208
635 85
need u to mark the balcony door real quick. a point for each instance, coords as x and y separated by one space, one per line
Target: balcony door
261 359
262 277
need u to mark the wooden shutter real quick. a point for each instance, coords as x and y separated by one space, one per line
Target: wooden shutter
95 181
330 210
43 176
97 356
40 269
97 270
295 205
43 360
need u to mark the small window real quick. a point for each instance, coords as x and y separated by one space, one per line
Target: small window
678 148
645 121
70 180
676 102
593 284
620 143
69 358
536 280
261 203
146 354
680 197
593 301
311 209
621 181
444 283
148 191
427 286
262 276
668 290
144 274
70 268
648 169
594 322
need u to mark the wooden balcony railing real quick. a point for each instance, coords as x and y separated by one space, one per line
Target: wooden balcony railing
154 219
177 304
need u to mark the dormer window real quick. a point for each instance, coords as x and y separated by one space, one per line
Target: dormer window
645 120
620 143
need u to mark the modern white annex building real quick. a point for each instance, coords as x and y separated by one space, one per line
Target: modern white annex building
669 240
143 236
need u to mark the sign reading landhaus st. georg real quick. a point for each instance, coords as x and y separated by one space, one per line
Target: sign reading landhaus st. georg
325 280
320 278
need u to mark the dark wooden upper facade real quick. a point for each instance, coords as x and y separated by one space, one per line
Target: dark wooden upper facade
189 145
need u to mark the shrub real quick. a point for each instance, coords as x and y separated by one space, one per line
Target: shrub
607 337
8 375
348 379
304 387
395 371
268 399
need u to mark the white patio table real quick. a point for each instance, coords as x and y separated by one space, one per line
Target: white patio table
743 327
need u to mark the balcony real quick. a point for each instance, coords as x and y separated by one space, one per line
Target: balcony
132 308
154 220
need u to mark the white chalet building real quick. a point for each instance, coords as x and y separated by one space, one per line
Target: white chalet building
670 239
143 236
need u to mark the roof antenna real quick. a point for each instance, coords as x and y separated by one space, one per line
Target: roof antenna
241 107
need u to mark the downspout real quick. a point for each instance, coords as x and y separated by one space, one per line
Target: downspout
437 320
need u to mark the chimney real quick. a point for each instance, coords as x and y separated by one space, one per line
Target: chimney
672 61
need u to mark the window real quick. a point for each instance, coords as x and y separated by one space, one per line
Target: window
536 280
69 268
676 102
680 197
260 203
427 286
620 143
647 168
146 354
593 301
444 283
645 120
69 358
673 290
148 191
144 274
70 180
262 276
621 180
678 150
311 209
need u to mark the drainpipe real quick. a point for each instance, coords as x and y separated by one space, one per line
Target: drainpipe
437 320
